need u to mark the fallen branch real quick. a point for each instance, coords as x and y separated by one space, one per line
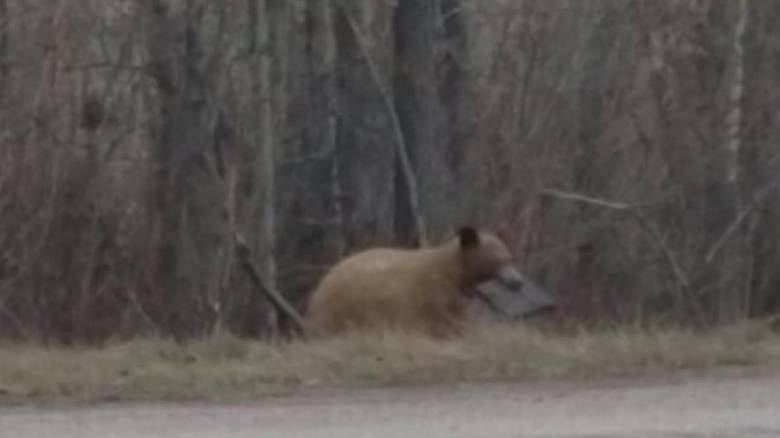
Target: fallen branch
279 303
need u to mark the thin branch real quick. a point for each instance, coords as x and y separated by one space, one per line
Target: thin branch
650 230
757 201
16 322
139 309
659 240
570 196
403 149
108 66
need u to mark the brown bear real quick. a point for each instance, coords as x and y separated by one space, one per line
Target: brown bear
421 290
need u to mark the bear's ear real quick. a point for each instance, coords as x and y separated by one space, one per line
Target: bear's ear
469 238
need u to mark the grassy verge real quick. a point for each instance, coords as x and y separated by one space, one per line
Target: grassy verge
226 368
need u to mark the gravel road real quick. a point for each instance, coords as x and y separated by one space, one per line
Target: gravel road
680 407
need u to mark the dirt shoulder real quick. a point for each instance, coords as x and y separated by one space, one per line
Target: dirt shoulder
683 405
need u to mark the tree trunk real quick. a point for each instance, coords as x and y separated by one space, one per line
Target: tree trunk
5 41
266 170
428 39
366 135
308 203
730 301
184 193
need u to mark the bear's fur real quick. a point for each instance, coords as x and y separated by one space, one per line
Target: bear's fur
424 290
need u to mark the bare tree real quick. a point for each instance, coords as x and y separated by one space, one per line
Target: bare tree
731 303
4 44
260 44
428 48
184 192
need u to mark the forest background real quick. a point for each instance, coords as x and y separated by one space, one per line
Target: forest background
627 148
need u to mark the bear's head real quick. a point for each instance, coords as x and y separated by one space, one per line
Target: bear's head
485 257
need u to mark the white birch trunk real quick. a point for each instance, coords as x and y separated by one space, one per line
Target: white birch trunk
730 304
736 91
265 125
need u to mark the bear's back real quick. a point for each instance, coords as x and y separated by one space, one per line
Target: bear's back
373 288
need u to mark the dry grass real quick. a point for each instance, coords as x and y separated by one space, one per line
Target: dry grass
225 368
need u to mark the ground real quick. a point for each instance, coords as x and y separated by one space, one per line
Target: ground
684 406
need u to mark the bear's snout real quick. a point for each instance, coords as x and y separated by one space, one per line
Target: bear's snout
511 278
